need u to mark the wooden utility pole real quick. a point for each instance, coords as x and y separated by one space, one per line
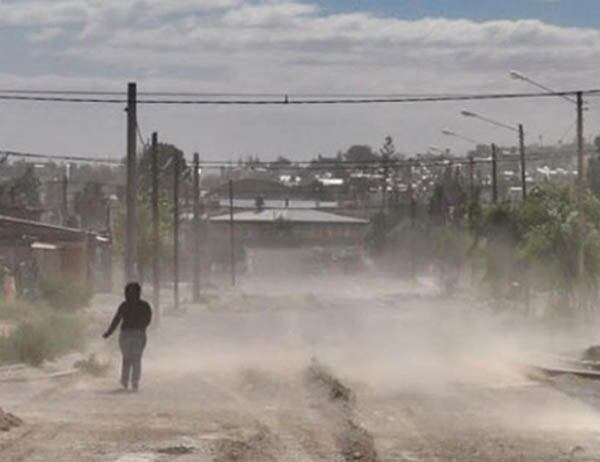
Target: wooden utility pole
580 183
231 235
471 178
384 186
155 229
196 231
176 175
580 146
65 197
523 168
494 174
131 233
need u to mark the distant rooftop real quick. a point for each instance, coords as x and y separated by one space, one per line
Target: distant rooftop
278 204
289 215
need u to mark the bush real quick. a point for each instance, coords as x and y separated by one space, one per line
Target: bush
16 309
33 342
65 295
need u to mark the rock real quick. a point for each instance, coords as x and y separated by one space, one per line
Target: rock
9 421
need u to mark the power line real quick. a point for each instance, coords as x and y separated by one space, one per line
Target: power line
223 94
31 155
285 100
309 165
372 164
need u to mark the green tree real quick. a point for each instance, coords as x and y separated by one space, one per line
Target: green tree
593 171
91 205
361 154
23 190
167 153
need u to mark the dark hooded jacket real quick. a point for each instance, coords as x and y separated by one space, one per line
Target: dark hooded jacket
133 314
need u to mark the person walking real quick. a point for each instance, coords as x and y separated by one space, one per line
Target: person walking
134 315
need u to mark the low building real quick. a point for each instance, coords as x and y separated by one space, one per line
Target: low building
291 227
31 249
306 240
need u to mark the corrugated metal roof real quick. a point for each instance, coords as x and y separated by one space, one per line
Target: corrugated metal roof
278 203
290 215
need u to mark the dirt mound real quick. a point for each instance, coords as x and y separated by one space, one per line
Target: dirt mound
176 450
258 447
9 421
355 443
318 374
591 354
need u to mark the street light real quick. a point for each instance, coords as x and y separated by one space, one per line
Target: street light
581 107
448 132
515 75
518 129
489 120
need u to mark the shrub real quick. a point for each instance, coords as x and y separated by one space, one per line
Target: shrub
65 295
33 342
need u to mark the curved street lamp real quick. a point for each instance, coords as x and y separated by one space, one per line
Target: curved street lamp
518 129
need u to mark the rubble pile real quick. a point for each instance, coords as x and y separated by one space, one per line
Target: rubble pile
8 421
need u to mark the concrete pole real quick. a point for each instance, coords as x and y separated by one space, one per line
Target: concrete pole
231 235
176 175
65 196
196 230
131 219
494 174
523 167
155 230
580 182
471 178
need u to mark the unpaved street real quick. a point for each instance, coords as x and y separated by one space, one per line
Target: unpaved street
317 373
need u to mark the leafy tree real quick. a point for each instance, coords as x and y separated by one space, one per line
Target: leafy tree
388 150
24 190
553 232
593 172
91 205
167 153
361 153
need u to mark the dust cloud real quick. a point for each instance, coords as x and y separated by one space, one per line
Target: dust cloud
384 339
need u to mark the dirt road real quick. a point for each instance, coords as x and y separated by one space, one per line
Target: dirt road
315 376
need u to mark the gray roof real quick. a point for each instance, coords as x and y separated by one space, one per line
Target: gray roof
290 215
278 203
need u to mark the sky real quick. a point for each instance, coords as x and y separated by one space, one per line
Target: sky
294 47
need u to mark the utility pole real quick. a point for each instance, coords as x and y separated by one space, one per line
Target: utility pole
231 235
131 233
65 197
471 178
176 175
196 231
494 174
580 147
522 155
386 173
155 229
580 182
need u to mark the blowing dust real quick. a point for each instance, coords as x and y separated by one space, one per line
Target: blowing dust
380 338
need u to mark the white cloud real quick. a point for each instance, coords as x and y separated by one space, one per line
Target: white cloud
292 46
46 34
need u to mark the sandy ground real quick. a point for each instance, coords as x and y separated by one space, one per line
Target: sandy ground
312 372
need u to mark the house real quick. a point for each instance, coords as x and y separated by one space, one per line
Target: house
284 241
291 227
54 252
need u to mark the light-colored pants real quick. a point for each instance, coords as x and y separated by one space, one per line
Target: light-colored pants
132 343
